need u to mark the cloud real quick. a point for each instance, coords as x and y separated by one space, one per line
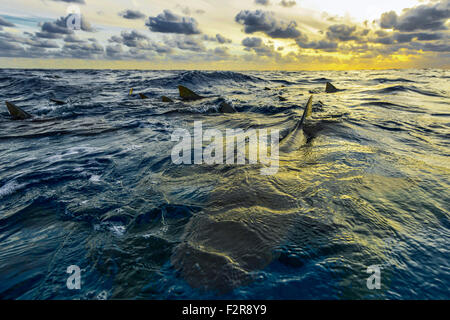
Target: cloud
252 42
218 38
388 20
266 22
168 22
263 2
71 1
186 43
434 47
188 11
432 16
134 39
221 52
288 3
132 14
11 49
406 37
256 45
342 32
88 50
221 39
323 45
115 51
54 27
13 45
6 23
58 29
73 38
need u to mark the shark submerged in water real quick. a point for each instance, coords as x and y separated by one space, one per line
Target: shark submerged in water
246 218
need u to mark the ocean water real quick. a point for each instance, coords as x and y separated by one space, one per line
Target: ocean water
91 183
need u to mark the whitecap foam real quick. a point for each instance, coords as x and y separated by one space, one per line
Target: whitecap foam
10 187
94 178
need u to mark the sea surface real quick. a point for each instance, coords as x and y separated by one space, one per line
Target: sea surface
91 183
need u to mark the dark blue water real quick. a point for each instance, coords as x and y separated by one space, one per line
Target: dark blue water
91 183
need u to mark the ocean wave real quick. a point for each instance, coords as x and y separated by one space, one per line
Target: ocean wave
202 78
401 88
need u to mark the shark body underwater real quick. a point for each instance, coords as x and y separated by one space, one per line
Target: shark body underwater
246 218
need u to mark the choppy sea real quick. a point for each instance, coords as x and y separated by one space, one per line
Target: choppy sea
91 183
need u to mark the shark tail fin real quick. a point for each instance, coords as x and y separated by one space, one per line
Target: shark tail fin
308 111
17 113
143 96
187 94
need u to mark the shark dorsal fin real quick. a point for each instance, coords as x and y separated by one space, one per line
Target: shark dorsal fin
166 99
308 110
330 88
226 108
58 102
143 96
187 94
17 113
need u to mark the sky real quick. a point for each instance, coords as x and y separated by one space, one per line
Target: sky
225 34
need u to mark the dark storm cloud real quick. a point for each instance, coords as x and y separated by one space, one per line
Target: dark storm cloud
256 45
168 22
432 16
324 45
434 47
6 23
406 37
132 14
288 3
252 42
266 22
54 27
341 32
384 40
